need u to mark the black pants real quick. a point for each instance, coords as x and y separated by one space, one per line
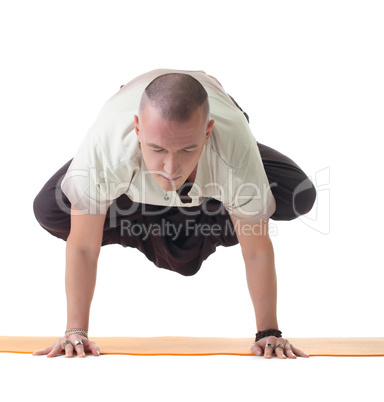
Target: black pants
172 240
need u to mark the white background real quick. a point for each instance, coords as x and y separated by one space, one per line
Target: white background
308 73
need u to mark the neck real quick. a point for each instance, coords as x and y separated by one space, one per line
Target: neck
191 178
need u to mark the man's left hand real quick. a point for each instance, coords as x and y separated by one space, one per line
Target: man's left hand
266 346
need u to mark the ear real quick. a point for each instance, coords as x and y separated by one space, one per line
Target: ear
137 129
209 129
137 125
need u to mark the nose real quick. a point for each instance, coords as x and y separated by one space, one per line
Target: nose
171 165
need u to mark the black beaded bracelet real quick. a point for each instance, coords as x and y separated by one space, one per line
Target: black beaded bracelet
268 332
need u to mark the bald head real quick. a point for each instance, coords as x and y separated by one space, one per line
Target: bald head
176 96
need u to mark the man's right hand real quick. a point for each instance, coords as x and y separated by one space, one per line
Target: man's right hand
57 347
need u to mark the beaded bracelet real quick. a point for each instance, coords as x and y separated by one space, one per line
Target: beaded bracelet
268 332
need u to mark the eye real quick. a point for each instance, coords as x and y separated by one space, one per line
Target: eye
188 152
157 150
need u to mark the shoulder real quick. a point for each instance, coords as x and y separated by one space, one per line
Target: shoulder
232 138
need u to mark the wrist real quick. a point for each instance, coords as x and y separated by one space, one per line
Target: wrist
78 331
267 323
268 332
77 322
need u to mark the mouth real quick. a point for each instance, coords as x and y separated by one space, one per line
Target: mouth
170 180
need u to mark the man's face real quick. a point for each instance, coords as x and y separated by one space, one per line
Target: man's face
171 150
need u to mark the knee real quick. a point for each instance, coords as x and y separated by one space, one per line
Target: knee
304 197
40 209
50 216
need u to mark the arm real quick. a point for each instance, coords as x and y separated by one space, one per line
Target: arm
82 252
258 255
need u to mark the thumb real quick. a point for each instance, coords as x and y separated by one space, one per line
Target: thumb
256 349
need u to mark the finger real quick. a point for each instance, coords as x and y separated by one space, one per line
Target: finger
42 351
56 349
256 349
79 349
93 348
268 350
288 352
69 350
280 353
299 352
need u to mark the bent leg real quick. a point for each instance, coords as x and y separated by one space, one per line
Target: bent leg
294 192
53 209
51 206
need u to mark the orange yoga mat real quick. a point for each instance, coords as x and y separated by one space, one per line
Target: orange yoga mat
200 346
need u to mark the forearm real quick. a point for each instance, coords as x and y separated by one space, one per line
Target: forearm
80 282
262 286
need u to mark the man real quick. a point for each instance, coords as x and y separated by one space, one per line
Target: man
171 167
